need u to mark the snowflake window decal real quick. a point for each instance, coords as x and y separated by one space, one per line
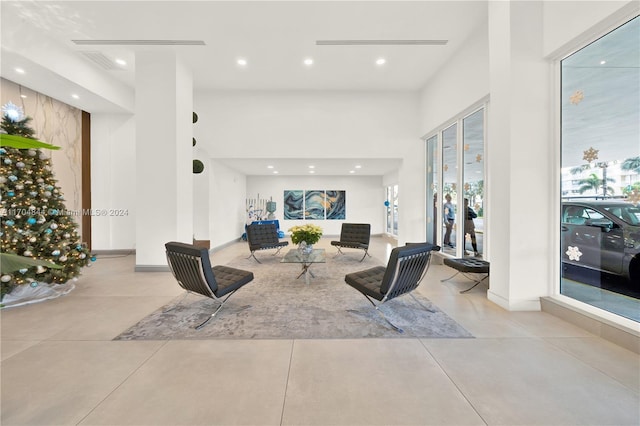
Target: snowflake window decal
577 97
574 253
590 154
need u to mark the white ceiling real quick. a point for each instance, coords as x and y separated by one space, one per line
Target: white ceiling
274 37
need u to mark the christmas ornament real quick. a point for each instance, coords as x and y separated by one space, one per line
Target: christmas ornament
5 278
590 155
31 221
27 253
577 97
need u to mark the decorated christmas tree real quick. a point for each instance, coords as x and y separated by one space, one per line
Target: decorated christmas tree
35 221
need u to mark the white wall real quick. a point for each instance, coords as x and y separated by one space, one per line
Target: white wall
113 180
575 22
463 81
304 124
226 203
364 198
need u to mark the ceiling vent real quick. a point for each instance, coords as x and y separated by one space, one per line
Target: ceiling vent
139 42
381 42
100 59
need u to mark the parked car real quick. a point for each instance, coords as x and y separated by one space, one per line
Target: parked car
603 236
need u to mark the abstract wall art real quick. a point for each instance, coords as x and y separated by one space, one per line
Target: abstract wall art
315 204
335 202
293 205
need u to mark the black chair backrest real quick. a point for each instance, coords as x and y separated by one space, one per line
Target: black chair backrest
405 269
262 233
191 267
355 232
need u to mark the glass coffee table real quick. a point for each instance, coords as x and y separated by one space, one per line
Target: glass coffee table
306 260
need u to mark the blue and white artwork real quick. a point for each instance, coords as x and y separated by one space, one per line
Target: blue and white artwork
336 203
314 204
293 204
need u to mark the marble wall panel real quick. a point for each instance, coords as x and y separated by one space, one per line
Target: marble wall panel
56 123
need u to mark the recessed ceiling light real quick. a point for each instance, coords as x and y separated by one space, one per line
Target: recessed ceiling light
19 70
358 166
603 62
352 171
312 167
275 172
308 62
121 62
74 96
312 171
269 167
242 62
23 96
381 61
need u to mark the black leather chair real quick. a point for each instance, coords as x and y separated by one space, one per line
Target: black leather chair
192 269
405 270
263 236
354 235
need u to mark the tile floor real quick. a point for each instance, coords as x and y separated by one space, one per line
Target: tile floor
60 366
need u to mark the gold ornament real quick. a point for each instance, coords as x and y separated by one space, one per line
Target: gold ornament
577 97
590 155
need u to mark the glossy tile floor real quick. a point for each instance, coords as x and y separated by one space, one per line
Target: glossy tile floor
60 366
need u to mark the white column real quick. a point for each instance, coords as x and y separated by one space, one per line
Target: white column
164 177
519 150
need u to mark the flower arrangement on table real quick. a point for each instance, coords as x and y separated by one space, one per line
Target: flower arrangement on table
310 234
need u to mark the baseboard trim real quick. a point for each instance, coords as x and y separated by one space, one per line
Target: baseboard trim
152 268
626 336
514 304
114 252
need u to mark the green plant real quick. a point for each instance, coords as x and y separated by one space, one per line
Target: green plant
308 233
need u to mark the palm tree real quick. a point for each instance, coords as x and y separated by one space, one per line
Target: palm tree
632 164
593 182
579 169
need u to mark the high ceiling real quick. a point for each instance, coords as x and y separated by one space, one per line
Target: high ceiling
273 37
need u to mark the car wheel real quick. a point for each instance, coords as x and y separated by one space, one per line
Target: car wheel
634 270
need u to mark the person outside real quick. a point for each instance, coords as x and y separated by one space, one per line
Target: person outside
470 227
449 218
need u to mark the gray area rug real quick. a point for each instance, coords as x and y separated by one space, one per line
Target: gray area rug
276 305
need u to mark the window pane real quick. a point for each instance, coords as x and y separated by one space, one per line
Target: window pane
389 203
600 229
395 210
432 190
473 158
449 188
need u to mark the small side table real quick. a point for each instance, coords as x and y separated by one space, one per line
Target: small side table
467 266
